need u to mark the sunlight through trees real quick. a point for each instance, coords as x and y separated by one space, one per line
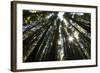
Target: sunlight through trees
56 36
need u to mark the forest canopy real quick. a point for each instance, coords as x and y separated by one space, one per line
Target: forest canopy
56 36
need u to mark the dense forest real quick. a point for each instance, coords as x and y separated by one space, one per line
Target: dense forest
56 36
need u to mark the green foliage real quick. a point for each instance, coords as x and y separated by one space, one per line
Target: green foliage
48 36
